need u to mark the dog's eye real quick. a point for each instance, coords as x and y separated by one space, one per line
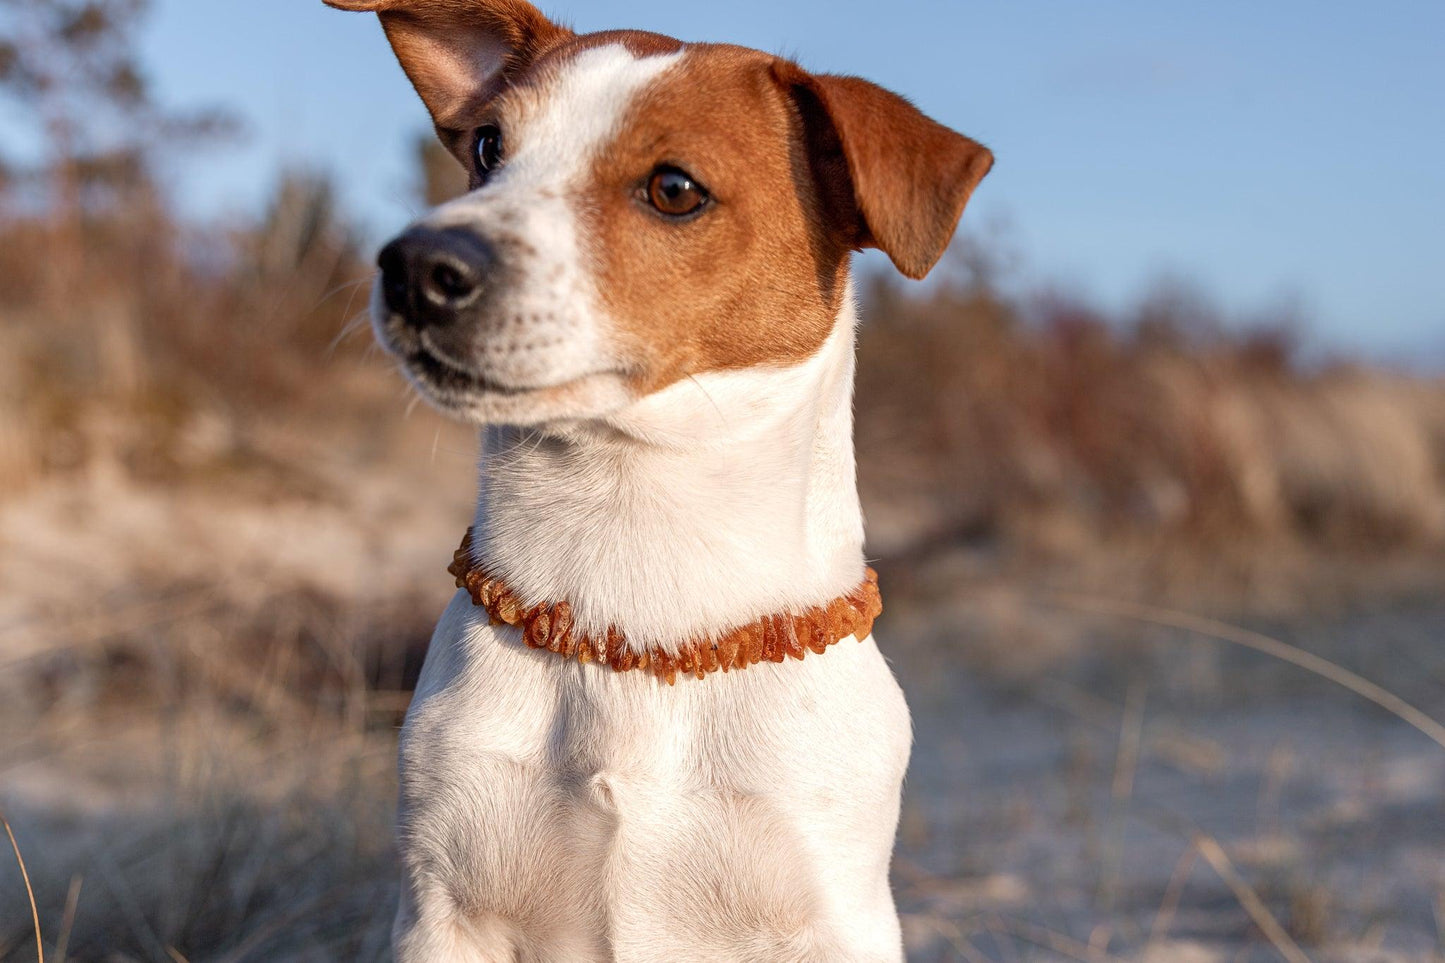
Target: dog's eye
675 193
489 151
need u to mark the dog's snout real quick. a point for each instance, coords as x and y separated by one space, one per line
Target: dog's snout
430 277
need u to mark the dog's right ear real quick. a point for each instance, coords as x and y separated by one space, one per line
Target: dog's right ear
460 53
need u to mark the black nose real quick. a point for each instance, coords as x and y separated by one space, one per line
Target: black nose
430 277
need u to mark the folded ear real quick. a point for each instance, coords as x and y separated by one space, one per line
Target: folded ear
460 53
907 177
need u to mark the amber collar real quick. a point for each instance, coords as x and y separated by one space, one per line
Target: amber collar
772 638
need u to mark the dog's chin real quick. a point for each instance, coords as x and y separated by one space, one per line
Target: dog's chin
473 397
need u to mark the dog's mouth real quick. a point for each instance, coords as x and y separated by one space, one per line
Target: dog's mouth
471 391
464 393
445 377
440 376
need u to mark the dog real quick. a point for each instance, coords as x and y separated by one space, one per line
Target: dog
653 724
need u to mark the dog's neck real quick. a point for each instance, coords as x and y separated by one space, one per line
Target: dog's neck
712 503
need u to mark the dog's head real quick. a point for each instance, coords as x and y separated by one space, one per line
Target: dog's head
641 210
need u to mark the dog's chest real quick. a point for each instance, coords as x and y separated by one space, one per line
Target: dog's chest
582 806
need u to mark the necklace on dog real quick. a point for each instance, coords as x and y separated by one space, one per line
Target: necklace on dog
773 638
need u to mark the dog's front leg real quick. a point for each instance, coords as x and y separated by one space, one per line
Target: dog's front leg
430 927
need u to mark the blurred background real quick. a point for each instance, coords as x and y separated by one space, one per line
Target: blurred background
1154 469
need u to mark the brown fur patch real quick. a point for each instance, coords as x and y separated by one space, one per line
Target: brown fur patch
757 278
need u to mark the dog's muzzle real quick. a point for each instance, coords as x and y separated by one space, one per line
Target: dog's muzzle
435 279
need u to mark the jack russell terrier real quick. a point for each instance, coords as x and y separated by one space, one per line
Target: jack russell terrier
653 724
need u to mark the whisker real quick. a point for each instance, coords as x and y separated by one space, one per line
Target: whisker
347 284
698 384
347 330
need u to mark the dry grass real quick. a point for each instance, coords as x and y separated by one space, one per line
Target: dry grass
207 802
222 871
29 890
177 341
989 419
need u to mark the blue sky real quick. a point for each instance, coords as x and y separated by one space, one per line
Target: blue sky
1270 151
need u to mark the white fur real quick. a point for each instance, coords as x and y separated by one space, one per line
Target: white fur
557 811
712 503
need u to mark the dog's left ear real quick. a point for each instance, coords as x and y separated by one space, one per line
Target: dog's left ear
894 178
459 54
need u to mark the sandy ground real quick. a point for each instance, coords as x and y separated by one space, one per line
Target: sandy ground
1131 799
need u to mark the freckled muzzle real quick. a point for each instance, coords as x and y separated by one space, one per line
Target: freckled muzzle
486 322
